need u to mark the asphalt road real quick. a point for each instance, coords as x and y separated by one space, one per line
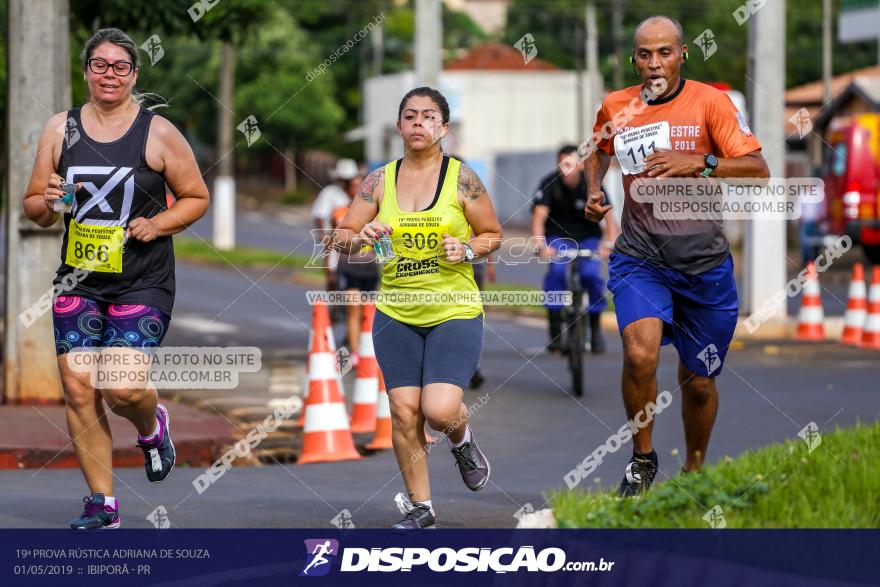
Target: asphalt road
527 424
291 231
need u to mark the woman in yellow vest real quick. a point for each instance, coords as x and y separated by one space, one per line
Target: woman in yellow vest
428 330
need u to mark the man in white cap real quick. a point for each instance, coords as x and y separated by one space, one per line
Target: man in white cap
330 198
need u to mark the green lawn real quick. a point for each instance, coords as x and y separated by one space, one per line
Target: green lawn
200 251
781 486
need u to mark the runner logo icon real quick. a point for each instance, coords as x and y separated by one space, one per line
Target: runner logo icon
320 554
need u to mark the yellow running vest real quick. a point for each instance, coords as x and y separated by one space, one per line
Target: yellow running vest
420 265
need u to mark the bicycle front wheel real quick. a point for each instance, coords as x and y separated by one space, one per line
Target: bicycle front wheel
575 347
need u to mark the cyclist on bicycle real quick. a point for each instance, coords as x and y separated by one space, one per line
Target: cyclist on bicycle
558 222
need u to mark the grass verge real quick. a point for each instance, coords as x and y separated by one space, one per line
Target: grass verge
837 485
199 251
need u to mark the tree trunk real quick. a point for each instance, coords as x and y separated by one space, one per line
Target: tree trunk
35 27
227 100
289 170
224 184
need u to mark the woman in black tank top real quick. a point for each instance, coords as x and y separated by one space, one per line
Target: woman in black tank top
114 288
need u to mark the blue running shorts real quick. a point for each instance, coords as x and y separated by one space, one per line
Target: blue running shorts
699 311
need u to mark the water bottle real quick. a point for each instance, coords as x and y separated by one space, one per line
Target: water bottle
65 204
384 249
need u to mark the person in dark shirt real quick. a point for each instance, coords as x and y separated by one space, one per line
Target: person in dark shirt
114 289
558 221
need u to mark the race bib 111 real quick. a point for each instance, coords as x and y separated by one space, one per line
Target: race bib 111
634 145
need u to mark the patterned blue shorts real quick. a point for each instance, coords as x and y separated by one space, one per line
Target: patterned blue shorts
82 323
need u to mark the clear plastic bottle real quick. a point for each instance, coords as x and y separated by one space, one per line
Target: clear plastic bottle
65 204
384 249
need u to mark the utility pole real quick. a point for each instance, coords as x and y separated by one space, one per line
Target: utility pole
581 85
617 41
765 252
826 52
224 185
593 77
429 42
38 46
377 43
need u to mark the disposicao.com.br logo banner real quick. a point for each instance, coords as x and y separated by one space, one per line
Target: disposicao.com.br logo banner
322 552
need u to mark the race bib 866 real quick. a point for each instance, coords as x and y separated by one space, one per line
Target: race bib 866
95 248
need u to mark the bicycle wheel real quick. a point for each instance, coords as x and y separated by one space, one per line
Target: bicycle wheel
575 348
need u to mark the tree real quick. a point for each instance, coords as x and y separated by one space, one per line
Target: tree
281 84
557 28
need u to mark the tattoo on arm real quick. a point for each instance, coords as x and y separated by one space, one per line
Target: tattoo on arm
469 184
370 183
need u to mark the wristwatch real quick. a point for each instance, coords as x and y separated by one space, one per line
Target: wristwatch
468 253
711 162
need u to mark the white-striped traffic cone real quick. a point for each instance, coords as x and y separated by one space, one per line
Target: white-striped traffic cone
811 320
856 308
321 323
871 335
326 434
366 385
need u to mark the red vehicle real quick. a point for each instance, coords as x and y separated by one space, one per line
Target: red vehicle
851 171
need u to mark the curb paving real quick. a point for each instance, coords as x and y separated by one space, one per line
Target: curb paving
206 423
36 437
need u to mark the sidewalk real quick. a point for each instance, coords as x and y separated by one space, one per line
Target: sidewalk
205 423
35 437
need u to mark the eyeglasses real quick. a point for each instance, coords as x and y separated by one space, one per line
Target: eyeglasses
100 66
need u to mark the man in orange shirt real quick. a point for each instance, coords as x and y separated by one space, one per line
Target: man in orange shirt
672 280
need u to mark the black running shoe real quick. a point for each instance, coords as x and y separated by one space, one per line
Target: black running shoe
96 515
159 455
477 380
472 464
639 475
418 518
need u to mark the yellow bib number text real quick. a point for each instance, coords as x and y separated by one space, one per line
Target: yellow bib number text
95 248
419 236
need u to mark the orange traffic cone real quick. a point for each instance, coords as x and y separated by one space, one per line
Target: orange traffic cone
331 340
382 438
871 335
366 385
811 320
326 435
856 306
320 323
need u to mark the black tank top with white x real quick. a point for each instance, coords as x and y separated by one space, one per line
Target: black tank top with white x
118 186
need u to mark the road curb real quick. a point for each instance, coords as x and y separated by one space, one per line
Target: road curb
36 438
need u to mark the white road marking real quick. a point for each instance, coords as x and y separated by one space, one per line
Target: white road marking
205 325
